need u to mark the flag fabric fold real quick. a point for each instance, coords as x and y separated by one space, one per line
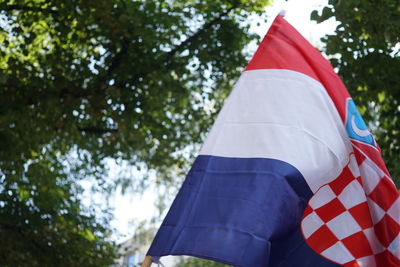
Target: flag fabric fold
289 174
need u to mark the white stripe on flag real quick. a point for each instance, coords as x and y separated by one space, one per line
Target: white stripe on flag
284 115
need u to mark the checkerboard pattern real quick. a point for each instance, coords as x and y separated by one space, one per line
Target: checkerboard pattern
355 219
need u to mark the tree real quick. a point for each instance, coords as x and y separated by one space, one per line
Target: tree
86 81
365 50
197 262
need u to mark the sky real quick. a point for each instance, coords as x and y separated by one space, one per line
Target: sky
130 208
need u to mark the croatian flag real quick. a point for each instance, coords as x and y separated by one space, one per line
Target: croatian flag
289 174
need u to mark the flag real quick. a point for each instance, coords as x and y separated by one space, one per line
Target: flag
289 174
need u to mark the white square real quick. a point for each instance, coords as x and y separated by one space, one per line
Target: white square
377 212
376 246
394 210
323 196
352 195
353 166
310 224
338 253
394 247
368 261
370 176
343 225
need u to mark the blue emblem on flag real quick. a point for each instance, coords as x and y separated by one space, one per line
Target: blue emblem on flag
355 125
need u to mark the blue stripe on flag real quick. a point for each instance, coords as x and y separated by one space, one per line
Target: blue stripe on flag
239 211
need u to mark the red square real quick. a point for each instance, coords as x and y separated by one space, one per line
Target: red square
359 157
342 181
384 194
307 211
362 215
321 239
387 259
358 245
351 264
330 210
386 230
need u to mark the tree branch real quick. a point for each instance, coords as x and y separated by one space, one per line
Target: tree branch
116 61
196 35
166 59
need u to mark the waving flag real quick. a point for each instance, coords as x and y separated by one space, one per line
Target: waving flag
289 174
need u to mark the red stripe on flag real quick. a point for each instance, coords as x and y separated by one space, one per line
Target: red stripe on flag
292 52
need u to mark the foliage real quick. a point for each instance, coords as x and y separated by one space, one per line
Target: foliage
85 81
197 262
365 49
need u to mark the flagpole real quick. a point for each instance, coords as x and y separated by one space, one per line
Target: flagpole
148 260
